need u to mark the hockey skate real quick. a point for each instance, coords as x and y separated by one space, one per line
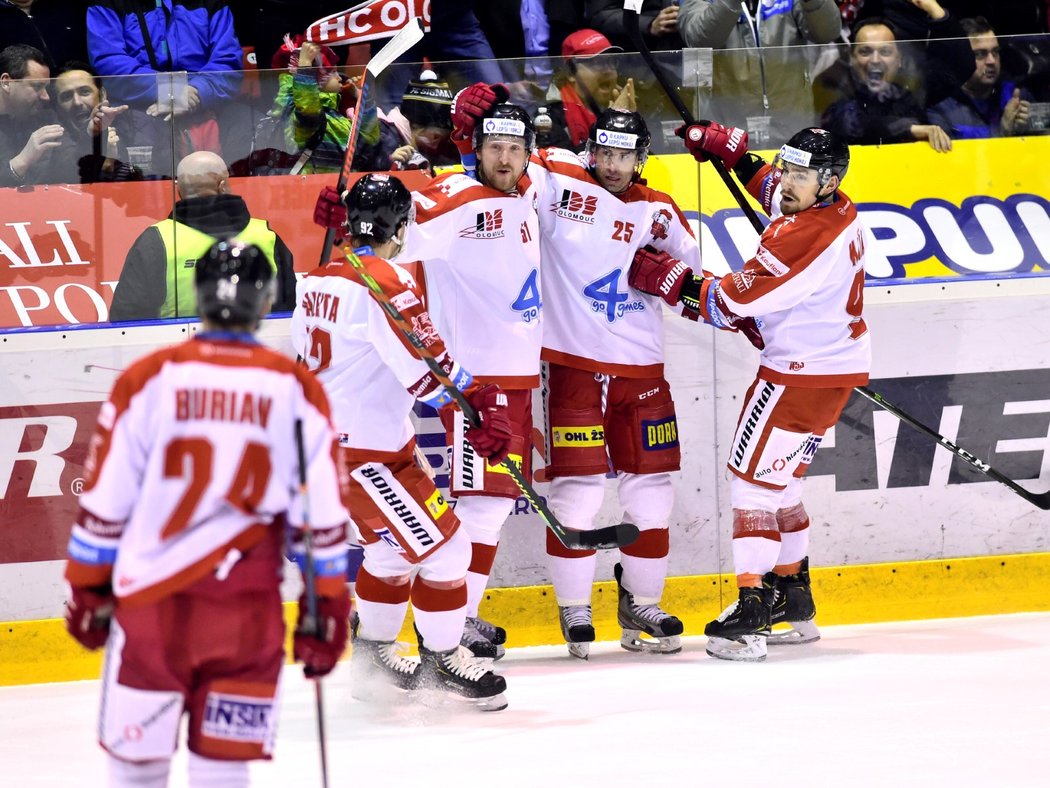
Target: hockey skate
664 630
457 673
577 629
740 633
792 605
484 640
378 672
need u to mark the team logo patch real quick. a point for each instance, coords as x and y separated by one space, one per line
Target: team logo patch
661 224
659 434
578 437
575 206
487 225
237 718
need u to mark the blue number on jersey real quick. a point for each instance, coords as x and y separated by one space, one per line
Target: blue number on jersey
528 300
605 295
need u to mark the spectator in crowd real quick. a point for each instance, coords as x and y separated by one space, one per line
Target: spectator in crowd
1009 17
313 99
90 126
759 84
30 136
873 108
55 27
518 30
424 120
658 21
157 279
986 105
138 40
589 84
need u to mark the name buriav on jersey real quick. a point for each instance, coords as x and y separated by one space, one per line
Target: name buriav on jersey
200 404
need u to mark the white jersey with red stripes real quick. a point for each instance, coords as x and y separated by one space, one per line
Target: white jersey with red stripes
194 456
481 275
371 374
806 286
589 236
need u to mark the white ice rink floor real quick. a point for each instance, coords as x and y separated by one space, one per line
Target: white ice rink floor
960 702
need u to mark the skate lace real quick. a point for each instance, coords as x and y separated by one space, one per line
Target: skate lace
651 614
462 663
729 611
576 615
390 654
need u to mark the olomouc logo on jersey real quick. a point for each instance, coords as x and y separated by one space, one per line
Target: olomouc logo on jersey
487 224
574 206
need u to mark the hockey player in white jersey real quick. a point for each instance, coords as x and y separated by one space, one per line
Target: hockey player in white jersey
415 549
176 554
805 286
477 239
608 405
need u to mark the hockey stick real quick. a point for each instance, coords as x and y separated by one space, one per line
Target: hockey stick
631 11
608 537
406 38
310 623
1042 500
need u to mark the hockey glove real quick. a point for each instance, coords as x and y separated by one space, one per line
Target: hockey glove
319 644
330 213
713 310
657 273
469 106
492 439
727 143
88 615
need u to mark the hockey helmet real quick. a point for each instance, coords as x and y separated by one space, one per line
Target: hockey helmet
505 120
377 205
235 284
816 149
619 128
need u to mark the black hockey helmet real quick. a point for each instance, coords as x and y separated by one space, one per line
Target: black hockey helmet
817 149
235 284
505 120
619 128
376 206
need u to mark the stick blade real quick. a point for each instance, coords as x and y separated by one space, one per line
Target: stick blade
608 538
406 38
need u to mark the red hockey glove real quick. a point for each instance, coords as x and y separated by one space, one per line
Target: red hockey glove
469 106
749 328
88 615
330 213
492 439
728 143
657 273
319 644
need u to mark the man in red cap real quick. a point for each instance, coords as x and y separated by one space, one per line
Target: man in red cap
589 84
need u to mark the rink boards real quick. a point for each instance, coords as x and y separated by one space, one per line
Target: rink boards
899 528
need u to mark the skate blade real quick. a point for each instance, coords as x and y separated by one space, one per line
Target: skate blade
436 698
800 632
632 640
579 650
747 648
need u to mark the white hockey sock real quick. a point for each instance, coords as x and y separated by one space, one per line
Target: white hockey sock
476 585
573 578
148 774
793 546
644 578
441 629
754 555
211 773
380 621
